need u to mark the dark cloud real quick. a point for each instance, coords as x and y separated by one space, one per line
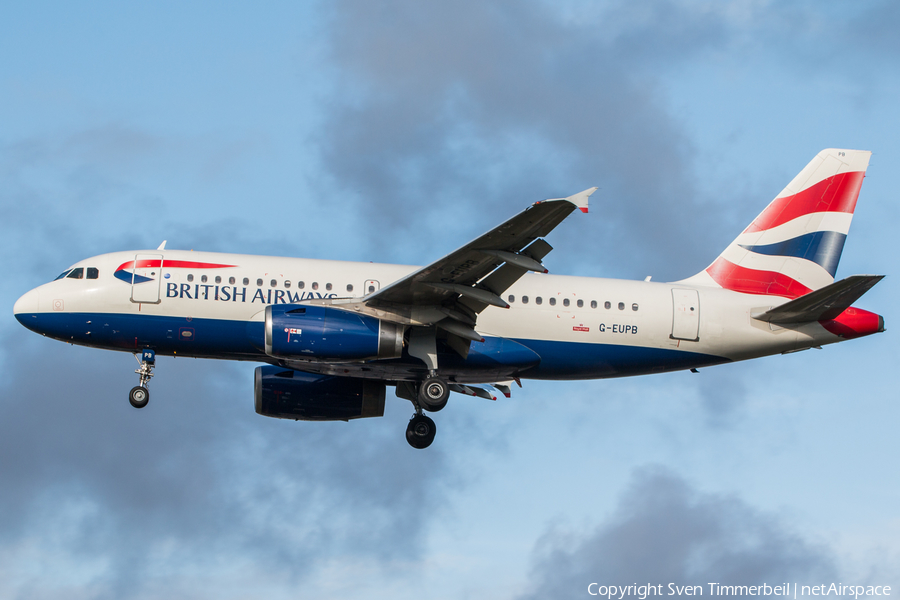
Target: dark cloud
197 476
449 118
457 115
874 28
664 530
443 119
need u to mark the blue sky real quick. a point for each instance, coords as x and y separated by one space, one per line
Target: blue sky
396 132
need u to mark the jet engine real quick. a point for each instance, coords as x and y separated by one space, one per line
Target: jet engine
289 394
325 333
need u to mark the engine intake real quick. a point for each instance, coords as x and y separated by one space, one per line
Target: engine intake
325 333
288 394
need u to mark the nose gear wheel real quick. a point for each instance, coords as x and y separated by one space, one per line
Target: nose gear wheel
139 396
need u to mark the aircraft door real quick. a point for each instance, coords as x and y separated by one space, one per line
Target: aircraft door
686 315
370 287
147 276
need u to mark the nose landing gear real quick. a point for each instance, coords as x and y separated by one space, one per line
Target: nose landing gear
139 395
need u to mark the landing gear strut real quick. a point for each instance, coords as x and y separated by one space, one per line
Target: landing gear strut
139 395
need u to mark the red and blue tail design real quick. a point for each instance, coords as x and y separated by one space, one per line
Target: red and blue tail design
794 245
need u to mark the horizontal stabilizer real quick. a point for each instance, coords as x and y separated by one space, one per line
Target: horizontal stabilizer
823 304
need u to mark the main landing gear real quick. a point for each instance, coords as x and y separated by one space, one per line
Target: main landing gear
431 395
139 395
420 431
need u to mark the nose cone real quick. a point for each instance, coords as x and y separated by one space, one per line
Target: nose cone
25 306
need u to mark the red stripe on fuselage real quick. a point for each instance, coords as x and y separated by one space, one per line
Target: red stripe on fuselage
750 281
834 194
177 264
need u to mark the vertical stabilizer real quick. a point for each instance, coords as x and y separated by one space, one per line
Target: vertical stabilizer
794 245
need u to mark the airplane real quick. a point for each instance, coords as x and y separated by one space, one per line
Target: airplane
336 334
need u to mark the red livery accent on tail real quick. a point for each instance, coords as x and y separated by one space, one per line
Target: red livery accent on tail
834 194
750 281
854 323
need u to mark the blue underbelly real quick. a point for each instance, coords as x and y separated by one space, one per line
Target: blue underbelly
218 338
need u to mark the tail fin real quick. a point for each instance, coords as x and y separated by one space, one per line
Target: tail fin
794 245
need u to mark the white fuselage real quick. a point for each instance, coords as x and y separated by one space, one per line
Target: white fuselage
580 327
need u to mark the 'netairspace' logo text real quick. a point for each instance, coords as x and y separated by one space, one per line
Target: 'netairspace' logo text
642 592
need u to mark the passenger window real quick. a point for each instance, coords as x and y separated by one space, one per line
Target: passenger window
246 281
218 279
371 288
538 300
287 283
607 305
274 283
349 287
259 283
593 304
231 281
92 273
300 285
203 279
580 304
315 285
552 301
63 274
328 286
190 276
634 306
511 298
524 299
76 273
565 301
621 306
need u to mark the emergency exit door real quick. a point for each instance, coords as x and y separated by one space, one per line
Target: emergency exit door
146 277
685 315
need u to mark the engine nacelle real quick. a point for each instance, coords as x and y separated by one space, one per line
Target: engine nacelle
325 333
288 394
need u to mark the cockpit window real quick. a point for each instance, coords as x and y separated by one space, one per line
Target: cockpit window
93 273
63 274
76 273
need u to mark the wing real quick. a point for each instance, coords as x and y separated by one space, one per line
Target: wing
449 293
473 277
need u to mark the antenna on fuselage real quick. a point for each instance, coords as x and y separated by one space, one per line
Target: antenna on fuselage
163 245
